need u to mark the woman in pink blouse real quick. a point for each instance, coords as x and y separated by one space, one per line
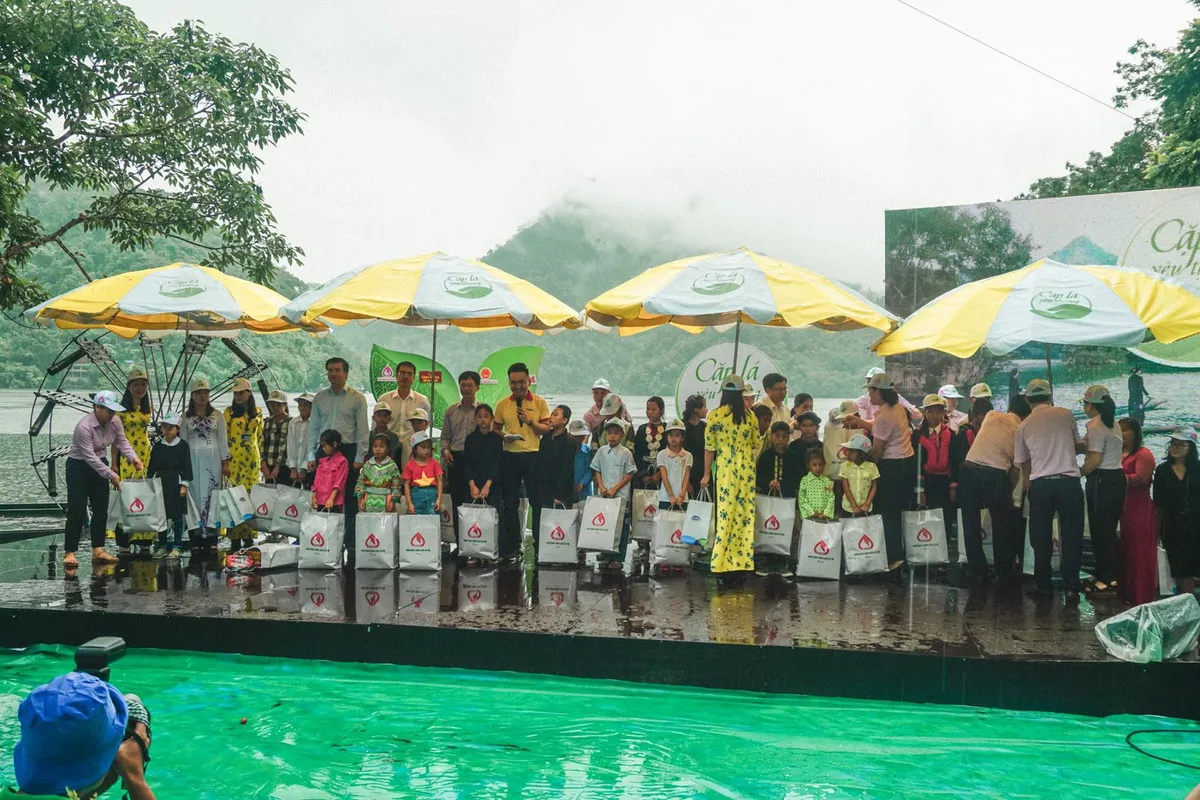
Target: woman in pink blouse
1139 522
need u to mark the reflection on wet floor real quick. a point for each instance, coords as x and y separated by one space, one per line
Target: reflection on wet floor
928 614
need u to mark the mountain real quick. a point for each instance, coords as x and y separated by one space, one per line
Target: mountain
576 253
1082 250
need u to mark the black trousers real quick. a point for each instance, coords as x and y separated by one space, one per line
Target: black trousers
983 487
1105 492
85 487
516 469
456 484
1048 496
893 496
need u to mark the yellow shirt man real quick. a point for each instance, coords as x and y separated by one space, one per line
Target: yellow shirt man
506 416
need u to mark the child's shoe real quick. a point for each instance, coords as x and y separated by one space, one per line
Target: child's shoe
174 553
159 552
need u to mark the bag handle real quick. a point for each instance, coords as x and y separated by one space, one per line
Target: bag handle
560 504
704 495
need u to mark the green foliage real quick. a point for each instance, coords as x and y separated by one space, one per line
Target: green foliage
161 131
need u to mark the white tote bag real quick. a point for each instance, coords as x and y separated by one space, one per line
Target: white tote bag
234 505
925 540
600 525
263 496
558 536
863 545
480 531
446 520
700 525
191 514
420 542
774 519
820 550
667 548
375 541
1166 582
985 534
321 538
644 511
1055 554
142 507
289 504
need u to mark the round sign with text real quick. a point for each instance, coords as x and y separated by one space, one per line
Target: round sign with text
705 372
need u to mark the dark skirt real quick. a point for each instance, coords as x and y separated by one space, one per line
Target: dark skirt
1179 537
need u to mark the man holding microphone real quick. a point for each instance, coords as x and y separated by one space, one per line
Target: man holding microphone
521 418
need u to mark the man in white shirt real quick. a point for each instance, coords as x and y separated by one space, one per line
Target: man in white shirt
297 443
776 388
403 401
342 408
1046 446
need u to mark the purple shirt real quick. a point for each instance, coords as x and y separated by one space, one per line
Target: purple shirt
91 442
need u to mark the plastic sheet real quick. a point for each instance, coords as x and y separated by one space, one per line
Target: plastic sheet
1157 631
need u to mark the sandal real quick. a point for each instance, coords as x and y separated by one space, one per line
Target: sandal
69 561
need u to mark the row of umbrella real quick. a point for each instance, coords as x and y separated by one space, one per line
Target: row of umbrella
1044 302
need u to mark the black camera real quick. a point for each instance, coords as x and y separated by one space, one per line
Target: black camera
94 657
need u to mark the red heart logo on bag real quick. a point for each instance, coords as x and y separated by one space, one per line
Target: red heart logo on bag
372 541
771 523
924 535
317 540
557 598
474 595
649 511
865 543
136 507
291 590
417 540
291 511
318 599
557 534
417 602
677 537
821 548
372 598
446 518
262 509
474 532
598 520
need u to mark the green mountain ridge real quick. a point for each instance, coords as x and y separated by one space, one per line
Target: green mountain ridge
1081 251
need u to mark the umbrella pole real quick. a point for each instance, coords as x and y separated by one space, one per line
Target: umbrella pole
433 368
737 334
1049 369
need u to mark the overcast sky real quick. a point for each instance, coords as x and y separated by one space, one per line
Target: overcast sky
785 126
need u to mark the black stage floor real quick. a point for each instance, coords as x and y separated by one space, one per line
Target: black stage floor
925 641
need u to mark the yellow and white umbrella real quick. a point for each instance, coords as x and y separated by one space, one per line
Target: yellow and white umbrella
1051 303
177 297
724 290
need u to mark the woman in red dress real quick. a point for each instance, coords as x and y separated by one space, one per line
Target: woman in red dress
1139 521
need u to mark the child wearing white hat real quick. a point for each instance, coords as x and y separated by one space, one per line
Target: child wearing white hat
171 463
860 478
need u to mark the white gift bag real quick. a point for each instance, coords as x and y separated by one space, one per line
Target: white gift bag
557 588
600 525
321 594
376 595
820 553
1166 582
644 511
191 514
420 591
290 503
142 507
321 538
238 508
667 548
263 557
1055 556
477 590
420 542
863 545
925 539
479 525
263 498
558 536
701 524
375 541
446 516
774 519
985 534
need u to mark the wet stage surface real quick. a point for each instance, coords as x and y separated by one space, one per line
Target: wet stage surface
926 615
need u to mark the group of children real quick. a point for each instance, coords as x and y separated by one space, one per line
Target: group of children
380 481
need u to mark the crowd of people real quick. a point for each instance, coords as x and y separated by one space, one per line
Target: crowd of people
876 454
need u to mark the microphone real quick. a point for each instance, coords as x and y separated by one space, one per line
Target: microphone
520 400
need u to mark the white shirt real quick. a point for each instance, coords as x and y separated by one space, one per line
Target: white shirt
402 408
1047 439
1106 441
866 410
779 413
993 445
956 419
678 467
297 442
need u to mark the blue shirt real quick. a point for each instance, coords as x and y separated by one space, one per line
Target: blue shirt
583 470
